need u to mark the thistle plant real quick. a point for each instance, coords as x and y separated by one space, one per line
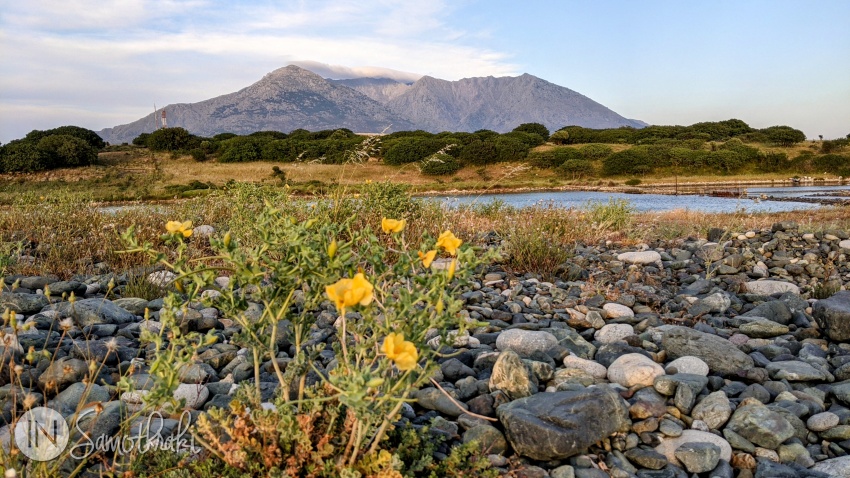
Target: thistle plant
389 297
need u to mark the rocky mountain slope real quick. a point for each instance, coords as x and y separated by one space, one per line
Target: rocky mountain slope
292 97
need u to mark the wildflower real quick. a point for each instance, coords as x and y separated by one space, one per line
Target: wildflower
349 292
177 227
392 225
449 242
400 351
112 345
66 324
427 258
452 268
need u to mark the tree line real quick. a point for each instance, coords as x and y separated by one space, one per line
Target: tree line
61 147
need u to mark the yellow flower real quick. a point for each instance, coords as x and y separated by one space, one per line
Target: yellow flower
400 351
392 225
349 292
177 227
427 258
452 268
449 242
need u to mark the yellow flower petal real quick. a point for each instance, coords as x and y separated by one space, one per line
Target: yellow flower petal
428 257
390 226
452 268
349 292
449 242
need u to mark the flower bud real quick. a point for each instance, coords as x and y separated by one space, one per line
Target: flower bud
332 249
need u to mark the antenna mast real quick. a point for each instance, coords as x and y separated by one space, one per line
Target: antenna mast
164 124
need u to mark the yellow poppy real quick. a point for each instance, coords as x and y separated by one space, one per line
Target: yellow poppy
349 292
449 242
400 351
427 258
177 227
392 225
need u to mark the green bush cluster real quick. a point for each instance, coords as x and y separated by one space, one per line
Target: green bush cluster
706 131
66 146
439 164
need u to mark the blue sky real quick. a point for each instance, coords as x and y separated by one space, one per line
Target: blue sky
102 63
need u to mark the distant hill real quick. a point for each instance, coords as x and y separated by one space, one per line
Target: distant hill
292 97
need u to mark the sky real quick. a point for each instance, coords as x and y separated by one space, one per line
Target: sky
101 63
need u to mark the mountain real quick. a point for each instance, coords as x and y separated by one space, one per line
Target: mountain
285 99
292 97
381 90
500 104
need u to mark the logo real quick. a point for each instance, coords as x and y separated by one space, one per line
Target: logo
41 434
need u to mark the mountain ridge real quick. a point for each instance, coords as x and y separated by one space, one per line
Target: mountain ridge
292 97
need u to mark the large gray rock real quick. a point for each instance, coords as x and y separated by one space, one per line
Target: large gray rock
526 342
698 457
95 311
721 355
669 446
641 257
833 315
760 425
22 303
794 371
770 287
775 310
554 426
714 409
834 467
62 373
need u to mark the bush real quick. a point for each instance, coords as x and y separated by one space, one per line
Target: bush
168 139
635 160
198 154
784 135
552 158
302 271
479 152
533 128
439 164
22 156
833 146
142 139
242 149
632 182
511 148
64 150
88 136
577 168
411 149
595 151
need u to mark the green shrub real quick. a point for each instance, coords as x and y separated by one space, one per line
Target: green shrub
22 156
552 158
834 145
533 128
595 151
411 149
615 215
168 139
439 164
784 135
62 150
632 182
198 154
577 168
635 160
479 152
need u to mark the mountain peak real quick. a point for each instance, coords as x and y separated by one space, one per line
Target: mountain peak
293 97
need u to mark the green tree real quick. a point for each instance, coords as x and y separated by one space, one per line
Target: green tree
534 128
561 136
169 139
62 150
784 135
21 156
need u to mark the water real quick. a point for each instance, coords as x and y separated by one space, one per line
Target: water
799 191
641 202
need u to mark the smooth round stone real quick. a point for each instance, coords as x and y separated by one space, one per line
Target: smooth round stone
617 310
669 446
643 257
194 394
739 339
770 287
822 421
594 369
526 342
844 244
614 332
634 369
689 364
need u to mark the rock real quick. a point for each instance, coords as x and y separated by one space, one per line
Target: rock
822 421
698 457
99 422
845 244
714 410
433 399
526 342
66 402
770 287
775 310
669 446
61 373
833 315
617 310
512 376
689 364
720 354
490 439
133 305
642 258
195 395
794 371
634 370
554 426
835 467
614 332
25 304
760 425
718 302
161 278
594 369
203 230
95 311
762 328
647 458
